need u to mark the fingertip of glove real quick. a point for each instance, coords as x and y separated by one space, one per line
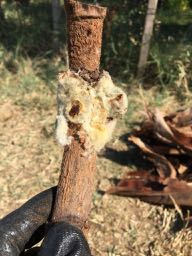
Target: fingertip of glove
65 239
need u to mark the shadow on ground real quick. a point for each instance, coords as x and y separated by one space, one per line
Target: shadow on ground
131 157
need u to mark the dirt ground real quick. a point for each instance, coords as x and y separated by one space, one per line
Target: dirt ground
30 161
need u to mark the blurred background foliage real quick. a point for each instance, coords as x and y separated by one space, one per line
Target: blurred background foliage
26 33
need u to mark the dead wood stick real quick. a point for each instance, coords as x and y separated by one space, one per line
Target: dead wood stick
77 179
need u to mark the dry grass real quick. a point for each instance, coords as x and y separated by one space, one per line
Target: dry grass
30 161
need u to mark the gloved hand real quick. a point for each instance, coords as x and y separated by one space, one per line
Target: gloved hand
26 226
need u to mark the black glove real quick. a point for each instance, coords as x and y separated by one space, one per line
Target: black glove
26 226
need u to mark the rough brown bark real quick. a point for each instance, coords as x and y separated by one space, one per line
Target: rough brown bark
76 186
84 26
76 183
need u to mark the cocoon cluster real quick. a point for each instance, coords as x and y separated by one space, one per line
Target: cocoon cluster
95 108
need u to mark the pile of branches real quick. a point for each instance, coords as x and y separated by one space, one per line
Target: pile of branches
166 141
